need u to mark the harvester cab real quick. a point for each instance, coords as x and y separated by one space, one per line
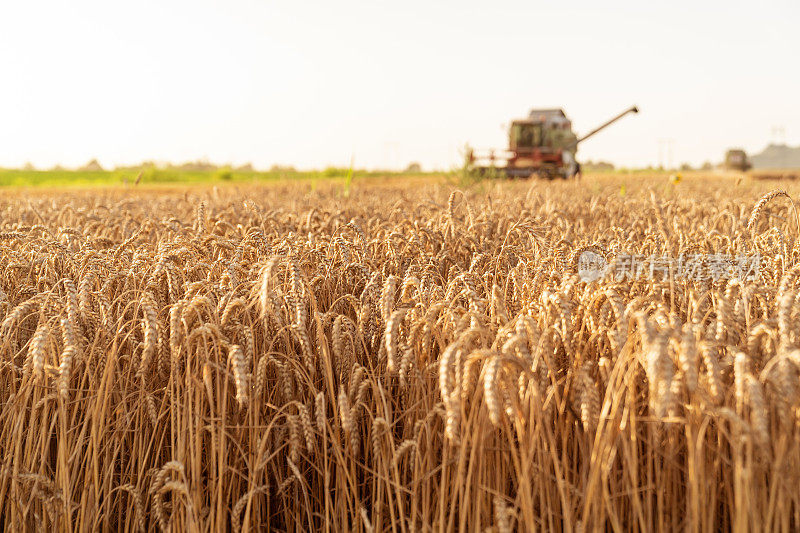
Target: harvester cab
543 145
736 159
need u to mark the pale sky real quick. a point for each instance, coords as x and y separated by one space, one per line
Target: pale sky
311 84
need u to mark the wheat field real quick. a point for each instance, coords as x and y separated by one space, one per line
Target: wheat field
403 357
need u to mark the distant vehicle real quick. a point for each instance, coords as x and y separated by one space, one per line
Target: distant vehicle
736 159
543 145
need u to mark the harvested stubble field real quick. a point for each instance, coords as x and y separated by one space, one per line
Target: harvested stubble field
404 359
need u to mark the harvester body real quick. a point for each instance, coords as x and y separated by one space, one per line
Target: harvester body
736 159
542 145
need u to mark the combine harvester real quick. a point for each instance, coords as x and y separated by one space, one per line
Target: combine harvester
542 145
736 159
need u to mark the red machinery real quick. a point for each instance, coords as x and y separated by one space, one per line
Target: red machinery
542 145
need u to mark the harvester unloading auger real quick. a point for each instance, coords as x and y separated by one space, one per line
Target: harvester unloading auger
541 145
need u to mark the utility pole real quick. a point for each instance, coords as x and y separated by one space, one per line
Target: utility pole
779 140
778 134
